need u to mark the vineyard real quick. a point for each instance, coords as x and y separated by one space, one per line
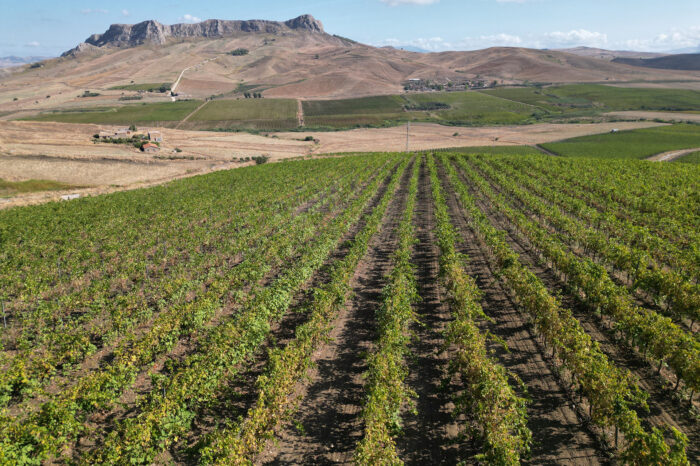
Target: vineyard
429 308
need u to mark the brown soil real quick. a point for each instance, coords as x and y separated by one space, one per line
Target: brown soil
665 116
330 411
663 408
672 155
430 436
560 435
67 153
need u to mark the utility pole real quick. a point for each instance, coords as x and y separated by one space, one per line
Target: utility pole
408 137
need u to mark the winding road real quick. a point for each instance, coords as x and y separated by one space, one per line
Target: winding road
177 83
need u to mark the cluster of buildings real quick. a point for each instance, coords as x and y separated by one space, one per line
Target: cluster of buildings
127 133
426 85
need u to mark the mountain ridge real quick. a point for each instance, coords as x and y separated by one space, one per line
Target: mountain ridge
151 31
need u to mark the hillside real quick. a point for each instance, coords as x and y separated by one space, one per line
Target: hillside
609 55
683 61
295 59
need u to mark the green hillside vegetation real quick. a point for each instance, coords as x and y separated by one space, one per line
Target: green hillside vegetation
472 108
365 111
10 188
594 98
500 106
452 108
690 158
149 87
492 150
634 144
136 113
264 114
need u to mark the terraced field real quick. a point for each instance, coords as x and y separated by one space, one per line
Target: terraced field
634 144
155 114
594 98
369 309
256 114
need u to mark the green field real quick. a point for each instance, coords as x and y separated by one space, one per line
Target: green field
634 144
595 98
690 158
472 108
492 150
153 113
501 106
365 111
258 114
10 188
149 87
465 108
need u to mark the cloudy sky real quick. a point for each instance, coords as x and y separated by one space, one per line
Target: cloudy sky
47 27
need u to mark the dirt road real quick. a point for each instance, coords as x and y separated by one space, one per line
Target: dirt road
672 155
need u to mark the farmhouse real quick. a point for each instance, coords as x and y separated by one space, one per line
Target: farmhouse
115 133
155 136
149 147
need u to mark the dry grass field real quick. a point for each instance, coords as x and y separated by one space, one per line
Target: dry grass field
65 152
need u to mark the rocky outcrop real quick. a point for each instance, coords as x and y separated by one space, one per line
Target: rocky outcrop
80 49
153 32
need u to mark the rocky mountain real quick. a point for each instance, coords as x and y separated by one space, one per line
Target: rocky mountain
292 59
132 35
684 61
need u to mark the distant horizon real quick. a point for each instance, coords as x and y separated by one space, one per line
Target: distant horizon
43 28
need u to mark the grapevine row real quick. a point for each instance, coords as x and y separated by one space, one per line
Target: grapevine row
30 369
609 390
496 411
167 412
639 236
654 333
287 367
386 391
51 429
682 295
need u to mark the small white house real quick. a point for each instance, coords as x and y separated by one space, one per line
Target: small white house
155 136
148 147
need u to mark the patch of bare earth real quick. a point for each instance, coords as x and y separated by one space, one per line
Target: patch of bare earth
560 434
328 424
430 436
663 408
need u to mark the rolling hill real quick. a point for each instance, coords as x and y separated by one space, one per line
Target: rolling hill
683 61
292 59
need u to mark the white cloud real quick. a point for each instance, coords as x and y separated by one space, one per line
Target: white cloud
125 13
409 2
90 11
555 39
188 18
668 41
32 44
575 37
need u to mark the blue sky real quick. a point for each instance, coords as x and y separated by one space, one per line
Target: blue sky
47 27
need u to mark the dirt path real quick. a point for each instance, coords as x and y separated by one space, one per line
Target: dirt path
300 113
190 114
663 409
559 435
430 436
539 147
182 73
672 155
651 115
327 426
